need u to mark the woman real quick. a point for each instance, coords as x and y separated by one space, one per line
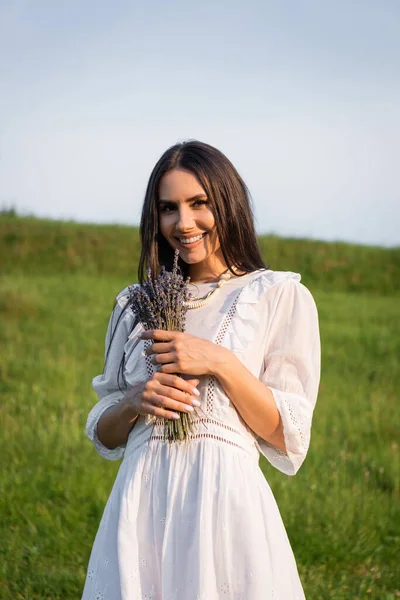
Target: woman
197 520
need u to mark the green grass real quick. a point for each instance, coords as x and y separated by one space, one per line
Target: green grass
342 509
49 247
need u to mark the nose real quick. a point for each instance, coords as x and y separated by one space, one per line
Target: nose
185 221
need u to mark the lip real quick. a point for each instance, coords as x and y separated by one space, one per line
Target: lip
193 244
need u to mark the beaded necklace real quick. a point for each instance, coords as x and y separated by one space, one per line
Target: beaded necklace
202 301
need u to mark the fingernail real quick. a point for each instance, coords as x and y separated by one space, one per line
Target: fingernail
189 408
196 402
196 392
176 416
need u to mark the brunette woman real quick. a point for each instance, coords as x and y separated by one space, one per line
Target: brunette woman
197 520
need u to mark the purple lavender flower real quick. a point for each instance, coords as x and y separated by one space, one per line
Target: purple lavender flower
160 303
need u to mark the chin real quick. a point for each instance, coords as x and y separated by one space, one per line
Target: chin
191 260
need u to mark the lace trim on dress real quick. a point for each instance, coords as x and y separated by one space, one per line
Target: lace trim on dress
196 436
205 428
218 340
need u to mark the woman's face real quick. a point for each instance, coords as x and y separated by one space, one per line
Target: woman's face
187 223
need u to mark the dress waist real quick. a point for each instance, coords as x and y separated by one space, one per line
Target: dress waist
205 428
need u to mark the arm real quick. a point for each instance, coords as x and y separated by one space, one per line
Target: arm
279 406
115 425
261 413
110 390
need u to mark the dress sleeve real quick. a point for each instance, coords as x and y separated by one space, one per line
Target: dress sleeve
292 371
109 386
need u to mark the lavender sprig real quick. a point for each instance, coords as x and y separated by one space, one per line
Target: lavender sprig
160 303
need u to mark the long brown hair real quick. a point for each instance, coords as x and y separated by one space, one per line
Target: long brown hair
230 202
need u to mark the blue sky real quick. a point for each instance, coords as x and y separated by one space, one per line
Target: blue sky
303 97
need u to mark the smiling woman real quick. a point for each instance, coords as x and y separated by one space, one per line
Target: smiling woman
195 190
187 222
197 520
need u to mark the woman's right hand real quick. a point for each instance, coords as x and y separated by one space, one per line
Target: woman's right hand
164 395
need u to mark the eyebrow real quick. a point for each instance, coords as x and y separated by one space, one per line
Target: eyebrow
196 197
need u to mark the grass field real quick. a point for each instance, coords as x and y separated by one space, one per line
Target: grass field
342 509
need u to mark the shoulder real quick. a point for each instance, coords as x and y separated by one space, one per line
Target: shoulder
278 287
121 310
265 280
122 297
269 278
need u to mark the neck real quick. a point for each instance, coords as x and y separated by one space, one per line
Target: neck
205 272
211 279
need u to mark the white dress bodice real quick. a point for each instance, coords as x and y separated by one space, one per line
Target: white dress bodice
269 320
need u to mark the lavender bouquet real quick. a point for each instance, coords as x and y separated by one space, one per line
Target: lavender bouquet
160 303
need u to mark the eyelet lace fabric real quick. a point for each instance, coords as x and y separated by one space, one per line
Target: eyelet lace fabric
197 520
205 429
218 340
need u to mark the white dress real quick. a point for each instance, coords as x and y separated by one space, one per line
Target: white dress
198 520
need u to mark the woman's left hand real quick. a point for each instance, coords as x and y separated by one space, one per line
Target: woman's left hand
178 352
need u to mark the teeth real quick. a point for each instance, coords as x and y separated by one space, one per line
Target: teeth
190 240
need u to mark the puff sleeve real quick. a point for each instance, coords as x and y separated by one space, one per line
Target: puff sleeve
109 386
292 371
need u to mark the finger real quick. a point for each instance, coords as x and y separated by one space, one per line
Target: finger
162 359
157 411
176 395
186 385
167 403
158 348
169 368
160 335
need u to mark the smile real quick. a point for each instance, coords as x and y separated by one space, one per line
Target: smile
191 240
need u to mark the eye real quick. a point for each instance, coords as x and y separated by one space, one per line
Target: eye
199 202
166 208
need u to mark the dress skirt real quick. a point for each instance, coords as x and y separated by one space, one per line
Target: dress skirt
192 521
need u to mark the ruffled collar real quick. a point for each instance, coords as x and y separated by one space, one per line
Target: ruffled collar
244 324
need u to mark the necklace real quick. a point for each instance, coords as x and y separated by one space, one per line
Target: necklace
202 301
